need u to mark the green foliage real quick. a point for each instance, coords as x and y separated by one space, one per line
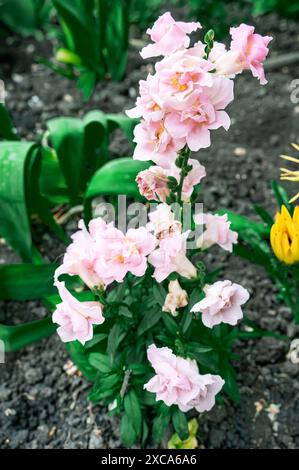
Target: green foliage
95 40
25 17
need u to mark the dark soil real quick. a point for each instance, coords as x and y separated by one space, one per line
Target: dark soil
40 404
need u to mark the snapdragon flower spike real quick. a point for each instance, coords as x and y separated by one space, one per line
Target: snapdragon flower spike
178 381
187 96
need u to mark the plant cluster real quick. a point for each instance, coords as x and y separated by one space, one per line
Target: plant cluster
151 327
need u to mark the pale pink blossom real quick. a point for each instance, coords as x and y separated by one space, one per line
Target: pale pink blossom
120 253
168 36
225 62
153 183
149 103
175 299
217 232
156 144
205 114
80 256
252 49
222 303
180 75
76 319
162 222
171 257
178 381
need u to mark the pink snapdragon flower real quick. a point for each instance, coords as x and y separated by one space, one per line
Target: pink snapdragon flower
149 103
252 49
153 182
76 319
180 75
222 303
80 256
162 222
178 381
168 36
217 232
171 257
225 62
205 114
155 143
119 254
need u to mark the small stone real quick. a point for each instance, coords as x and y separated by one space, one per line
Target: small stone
240 151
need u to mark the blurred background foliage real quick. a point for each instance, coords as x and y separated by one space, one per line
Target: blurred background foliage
91 37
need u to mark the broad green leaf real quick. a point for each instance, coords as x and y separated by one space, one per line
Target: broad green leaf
67 137
7 130
228 374
160 424
19 336
117 32
159 293
180 424
51 179
150 319
26 281
15 163
170 323
100 361
127 431
133 411
116 335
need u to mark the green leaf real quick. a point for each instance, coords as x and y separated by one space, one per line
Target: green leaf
180 424
159 293
17 337
67 137
7 130
133 411
86 83
97 338
170 324
116 335
26 281
15 164
228 374
100 361
116 39
150 319
281 196
160 424
127 431
264 215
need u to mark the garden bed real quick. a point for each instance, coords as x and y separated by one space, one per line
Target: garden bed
41 405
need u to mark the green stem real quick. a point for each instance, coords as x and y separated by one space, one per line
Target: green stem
184 157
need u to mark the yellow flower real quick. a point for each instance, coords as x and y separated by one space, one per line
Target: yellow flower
290 175
284 236
191 443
